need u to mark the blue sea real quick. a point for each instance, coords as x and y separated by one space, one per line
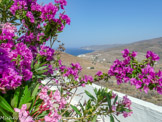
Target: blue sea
77 51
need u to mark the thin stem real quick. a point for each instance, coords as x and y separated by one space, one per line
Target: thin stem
69 102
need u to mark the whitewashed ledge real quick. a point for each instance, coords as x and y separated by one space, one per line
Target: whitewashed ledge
142 111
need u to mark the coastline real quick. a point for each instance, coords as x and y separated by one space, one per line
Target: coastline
77 51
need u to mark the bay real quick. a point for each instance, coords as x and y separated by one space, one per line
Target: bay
77 51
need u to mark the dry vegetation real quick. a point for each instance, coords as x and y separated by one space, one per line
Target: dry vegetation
152 96
68 59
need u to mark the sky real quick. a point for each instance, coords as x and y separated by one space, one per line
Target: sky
99 22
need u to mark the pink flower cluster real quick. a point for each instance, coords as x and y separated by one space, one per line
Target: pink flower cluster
15 65
18 5
8 31
72 71
39 35
30 16
99 73
15 60
47 52
86 79
126 53
61 24
25 54
49 68
27 38
23 114
125 104
49 104
146 77
62 3
9 77
21 4
48 12
121 70
152 55
36 7
66 18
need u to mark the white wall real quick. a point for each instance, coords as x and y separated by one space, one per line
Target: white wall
142 111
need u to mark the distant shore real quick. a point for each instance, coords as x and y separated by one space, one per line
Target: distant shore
77 51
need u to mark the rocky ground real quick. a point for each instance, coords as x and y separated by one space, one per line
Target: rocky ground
107 58
88 67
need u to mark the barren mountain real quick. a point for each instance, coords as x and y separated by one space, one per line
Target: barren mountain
88 67
101 47
109 55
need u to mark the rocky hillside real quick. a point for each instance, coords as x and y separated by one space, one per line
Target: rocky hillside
88 67
109 55
101 47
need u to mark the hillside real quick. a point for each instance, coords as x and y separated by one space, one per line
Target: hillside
109 55
101 47
144 45
68 59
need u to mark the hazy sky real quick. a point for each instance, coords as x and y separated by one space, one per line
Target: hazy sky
96 22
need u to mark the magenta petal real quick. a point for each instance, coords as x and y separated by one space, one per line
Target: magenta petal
47 118
146 89
16 110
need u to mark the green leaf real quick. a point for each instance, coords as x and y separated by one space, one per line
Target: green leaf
94 118
139 70
76 110
7 116
127 110
26 97
15 115
32 64
37 65
115 100
28 105
111 118
34 93
15 100
108 100
116 118
39 76
45 62
82 107
133 75
88 105
42 71
41 68
90 95
151 86
95 91
42 115
4 104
